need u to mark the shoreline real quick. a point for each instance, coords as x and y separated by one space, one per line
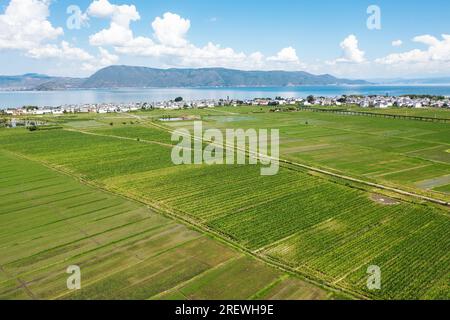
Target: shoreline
376 85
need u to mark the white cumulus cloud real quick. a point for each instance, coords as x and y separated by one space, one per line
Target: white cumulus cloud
427 40
104 59
397 43
437 51
62 51
172 47
432 60
350 51
288 54
24 25
119 32
171 29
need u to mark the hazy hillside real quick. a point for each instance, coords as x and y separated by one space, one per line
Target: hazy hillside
34 81
26 81
421 81
125 76
141 77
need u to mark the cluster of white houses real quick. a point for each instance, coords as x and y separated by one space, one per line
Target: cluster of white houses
362 101
84 108
384 101
115 107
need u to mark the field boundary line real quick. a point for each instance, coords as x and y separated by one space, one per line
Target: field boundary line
347 112
119 137
109 244
22 284
152 276
386 249
187 220
225 112
270 286
88 238
401 171
408 138
277 242
424 149
276 264
140 261
406 154
183 284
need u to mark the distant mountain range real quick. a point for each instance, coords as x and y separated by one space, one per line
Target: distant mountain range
124 76
421 81
33 81
141 77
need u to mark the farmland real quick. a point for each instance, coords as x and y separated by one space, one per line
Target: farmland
420 112
50 221
320 228
395 152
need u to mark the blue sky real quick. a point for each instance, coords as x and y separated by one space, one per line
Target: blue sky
321 36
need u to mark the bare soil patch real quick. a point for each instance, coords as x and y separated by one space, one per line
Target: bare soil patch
384 200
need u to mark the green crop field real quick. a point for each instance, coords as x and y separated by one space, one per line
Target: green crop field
395 152
50 221
420 112
324 229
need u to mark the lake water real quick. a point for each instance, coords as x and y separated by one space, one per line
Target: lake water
56 98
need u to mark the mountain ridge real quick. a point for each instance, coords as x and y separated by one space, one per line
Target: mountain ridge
120 76
130 76
414 81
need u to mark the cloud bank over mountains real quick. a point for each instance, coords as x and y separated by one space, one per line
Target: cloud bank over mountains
25 27
169 41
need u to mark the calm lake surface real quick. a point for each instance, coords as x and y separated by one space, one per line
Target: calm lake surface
56 98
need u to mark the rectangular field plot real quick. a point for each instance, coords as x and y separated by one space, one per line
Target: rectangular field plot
155 274
136 132
445 189
80 152
225 281
293 289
